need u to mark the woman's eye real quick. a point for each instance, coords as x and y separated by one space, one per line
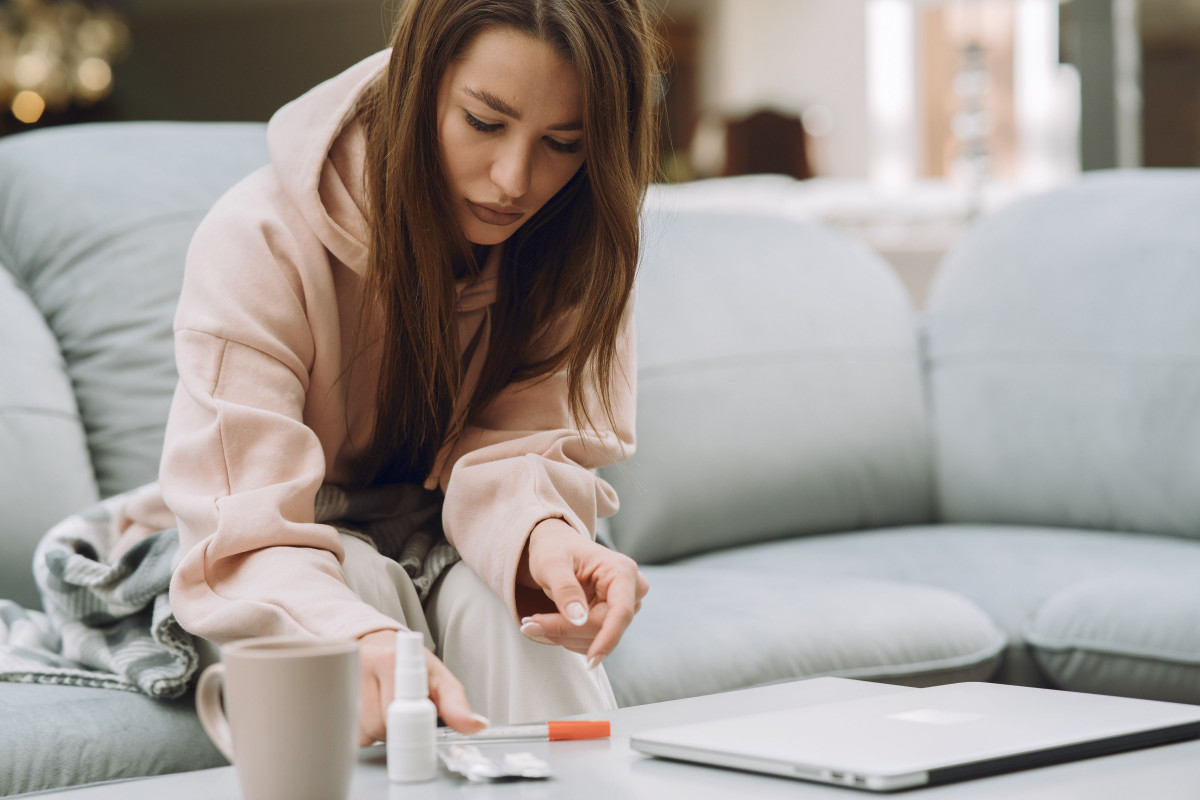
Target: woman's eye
479 125
563 147
491 127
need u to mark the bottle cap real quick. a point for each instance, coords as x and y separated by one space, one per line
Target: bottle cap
411 676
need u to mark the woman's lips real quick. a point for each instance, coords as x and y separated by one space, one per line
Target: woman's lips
493 217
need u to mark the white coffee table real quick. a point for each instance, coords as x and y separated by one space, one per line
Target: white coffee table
609 770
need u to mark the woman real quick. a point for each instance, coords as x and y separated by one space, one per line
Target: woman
430 284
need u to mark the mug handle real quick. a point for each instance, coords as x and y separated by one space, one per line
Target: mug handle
208 707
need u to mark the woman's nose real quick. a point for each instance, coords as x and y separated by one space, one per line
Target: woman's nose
511 171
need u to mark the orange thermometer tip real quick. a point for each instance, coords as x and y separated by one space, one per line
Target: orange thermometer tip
579 729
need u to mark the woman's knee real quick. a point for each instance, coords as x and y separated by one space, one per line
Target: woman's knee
463 603
381 583
506 676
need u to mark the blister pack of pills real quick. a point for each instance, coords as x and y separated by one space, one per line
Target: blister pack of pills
470 762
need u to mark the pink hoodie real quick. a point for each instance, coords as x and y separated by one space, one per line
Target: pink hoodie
263 415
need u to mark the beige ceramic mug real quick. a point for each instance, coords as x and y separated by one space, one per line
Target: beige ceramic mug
284 711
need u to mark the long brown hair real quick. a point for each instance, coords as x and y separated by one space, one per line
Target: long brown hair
578 252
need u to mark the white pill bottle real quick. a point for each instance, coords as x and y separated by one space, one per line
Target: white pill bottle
411 717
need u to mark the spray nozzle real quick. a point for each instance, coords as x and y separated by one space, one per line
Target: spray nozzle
412 679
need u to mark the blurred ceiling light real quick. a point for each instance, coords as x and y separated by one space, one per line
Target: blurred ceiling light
28 107
55 54
32 68
94 75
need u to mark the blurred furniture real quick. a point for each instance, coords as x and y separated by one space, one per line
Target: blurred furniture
825 483
679 86
766 142
1170 67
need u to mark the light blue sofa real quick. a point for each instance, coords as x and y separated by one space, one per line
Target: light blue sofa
826 484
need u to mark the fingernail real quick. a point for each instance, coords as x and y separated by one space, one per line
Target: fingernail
525 619
480 718
594 662
577 614
535 632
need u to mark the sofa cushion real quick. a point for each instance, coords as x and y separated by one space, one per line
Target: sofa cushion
702 631
94 224
779 388
42 441
1008 571
57 736
1064 347
1135 634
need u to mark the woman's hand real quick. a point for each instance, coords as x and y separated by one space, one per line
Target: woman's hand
593 591
377 663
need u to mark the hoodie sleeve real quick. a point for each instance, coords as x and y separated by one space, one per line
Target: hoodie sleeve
240 467
523 461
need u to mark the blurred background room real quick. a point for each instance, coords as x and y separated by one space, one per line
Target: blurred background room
897 120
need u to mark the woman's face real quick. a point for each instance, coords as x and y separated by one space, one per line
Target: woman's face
510 129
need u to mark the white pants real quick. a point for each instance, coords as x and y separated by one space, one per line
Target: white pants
508 678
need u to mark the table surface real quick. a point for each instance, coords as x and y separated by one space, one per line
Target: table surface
609 769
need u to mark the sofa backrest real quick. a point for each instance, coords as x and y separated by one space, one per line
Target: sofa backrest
1064 359
779 382
94 224
779 387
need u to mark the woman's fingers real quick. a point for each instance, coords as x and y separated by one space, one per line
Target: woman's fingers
555 629
622 599
447 693
376 657
563 587
377 662
577 573
555 554
371 727
578 643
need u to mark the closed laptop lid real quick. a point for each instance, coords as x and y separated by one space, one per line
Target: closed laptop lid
928 735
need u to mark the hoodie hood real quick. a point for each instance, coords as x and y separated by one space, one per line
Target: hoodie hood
318 148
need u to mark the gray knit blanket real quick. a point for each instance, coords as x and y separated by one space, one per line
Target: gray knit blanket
108 623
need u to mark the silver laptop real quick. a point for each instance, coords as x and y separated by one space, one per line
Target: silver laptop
926 736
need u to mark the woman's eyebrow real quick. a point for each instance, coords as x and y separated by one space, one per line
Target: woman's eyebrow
496 104
501 107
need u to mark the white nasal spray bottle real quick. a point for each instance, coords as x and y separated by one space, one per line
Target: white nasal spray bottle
411 717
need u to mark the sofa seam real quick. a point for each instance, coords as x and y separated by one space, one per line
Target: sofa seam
929 406
926 667
6 263
866 356
898 671
1108 649
42 412
965 660
1024 357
